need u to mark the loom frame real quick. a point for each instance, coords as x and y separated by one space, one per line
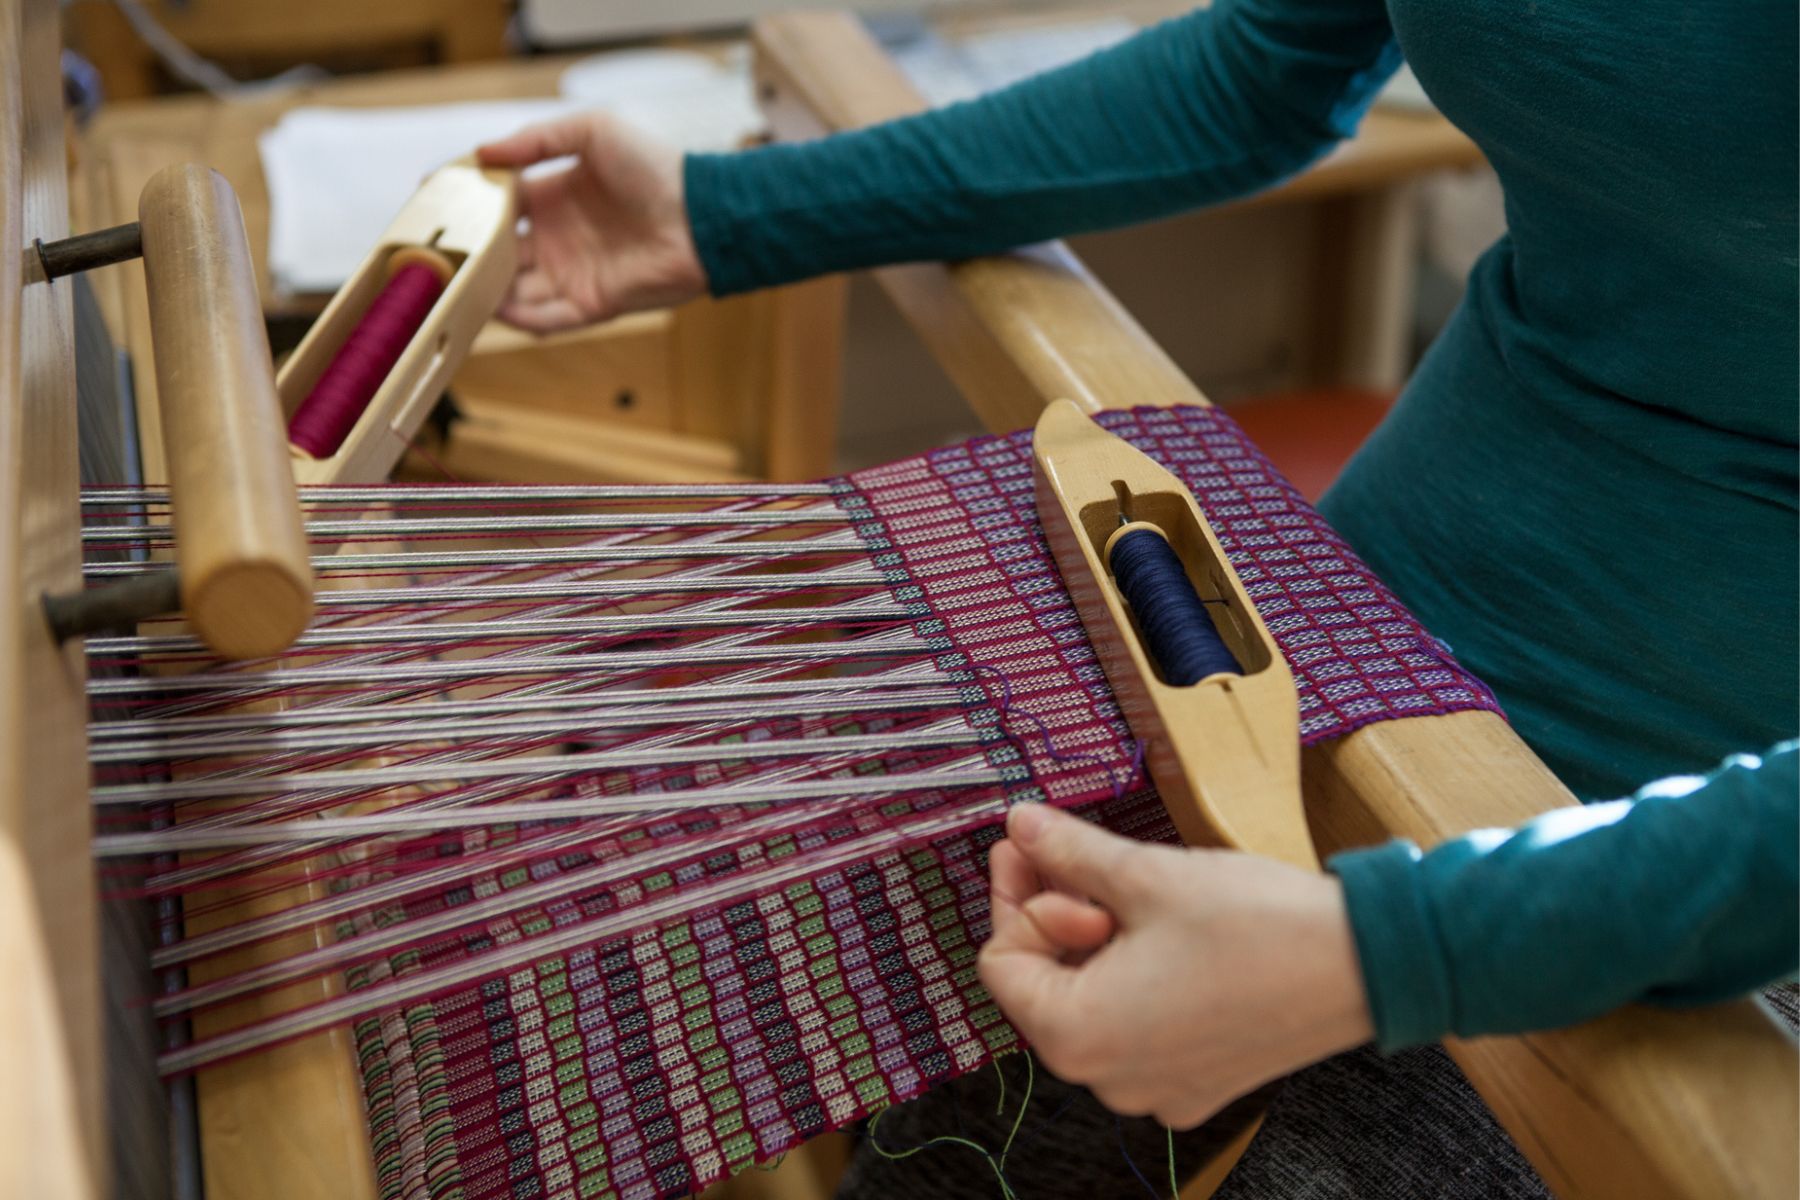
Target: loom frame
1643 1103
51 1132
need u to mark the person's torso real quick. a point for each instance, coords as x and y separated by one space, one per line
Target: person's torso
1590 488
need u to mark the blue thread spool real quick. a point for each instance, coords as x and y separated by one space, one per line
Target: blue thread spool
1178 631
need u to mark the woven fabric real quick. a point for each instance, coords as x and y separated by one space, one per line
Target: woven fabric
665 1056
1357 654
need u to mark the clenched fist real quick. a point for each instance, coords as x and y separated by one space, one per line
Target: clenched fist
1168 981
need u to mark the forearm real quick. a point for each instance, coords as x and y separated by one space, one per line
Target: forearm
1203 108
1678 897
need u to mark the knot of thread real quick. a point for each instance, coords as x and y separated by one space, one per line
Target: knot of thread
1177 629
357 371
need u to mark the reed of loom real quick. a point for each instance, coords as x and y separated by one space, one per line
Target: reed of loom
1645 1102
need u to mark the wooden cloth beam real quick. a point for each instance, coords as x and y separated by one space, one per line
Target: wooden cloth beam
1641 1103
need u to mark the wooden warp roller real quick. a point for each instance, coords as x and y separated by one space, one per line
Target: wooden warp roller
1644 1102
355 392
245 584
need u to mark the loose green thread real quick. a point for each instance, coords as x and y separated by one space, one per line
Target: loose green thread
1024 1103
1174 1184
897 1155
996 1165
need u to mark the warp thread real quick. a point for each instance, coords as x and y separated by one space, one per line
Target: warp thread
361 365
1183 641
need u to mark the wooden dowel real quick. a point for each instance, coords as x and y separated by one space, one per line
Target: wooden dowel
246 586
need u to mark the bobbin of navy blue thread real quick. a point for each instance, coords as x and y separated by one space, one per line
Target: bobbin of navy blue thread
1178 631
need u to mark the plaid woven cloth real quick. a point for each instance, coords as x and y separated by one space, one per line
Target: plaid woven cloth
667 1055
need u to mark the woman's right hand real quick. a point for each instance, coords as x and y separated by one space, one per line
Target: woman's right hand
607 234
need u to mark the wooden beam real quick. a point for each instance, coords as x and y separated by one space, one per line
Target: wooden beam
51 1061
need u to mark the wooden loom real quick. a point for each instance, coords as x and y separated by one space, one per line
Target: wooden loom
1642 1103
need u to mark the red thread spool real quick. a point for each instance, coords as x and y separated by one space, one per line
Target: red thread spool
417 277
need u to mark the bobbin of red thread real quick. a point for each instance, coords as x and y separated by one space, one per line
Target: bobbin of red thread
416 277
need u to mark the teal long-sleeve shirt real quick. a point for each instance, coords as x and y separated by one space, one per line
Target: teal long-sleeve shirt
1589 486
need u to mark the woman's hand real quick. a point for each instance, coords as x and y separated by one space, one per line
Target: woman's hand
1191 978
608 234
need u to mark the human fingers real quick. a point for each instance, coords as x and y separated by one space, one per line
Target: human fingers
532 286
1012 884
1023 970
535 143
1010 873
1073 853
1075 925
1066 923
549 315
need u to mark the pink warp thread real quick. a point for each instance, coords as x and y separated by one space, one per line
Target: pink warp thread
320 425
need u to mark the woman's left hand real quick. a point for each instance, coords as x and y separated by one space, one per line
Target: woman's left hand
1183 979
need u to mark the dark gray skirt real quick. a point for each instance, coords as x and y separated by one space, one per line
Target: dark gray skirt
1361 1126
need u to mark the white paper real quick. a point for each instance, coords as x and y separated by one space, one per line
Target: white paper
337 176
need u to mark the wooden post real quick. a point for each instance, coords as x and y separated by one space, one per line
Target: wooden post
51 1050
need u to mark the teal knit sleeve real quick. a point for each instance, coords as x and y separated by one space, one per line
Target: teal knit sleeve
1685 894
1202 108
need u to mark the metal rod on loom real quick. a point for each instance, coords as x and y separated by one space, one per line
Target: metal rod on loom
901 676
591 716
745 680
590 719
219 866
334 904
564 886
868 648
798 581
272 840
125 845
400 561
100 497
843 693
584 585
269 851
709 571
394 992
857 611
215 787
333 793
402 527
